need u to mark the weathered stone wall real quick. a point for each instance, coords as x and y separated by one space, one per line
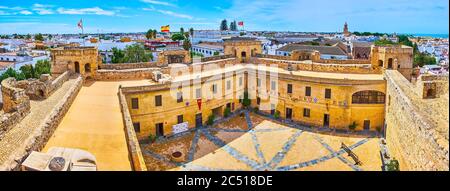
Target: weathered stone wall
123 66
220 57
127 74
16 105
133 144
412 137
42 134
319 67
59 81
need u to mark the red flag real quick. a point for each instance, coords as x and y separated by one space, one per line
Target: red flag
80 24
241 23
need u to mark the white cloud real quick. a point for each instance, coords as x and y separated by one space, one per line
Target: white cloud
25 12
171 13
43 9
158 2
85 11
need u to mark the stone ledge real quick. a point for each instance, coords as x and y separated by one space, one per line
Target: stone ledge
134 149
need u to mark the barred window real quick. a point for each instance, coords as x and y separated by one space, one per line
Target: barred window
179 97
368 97
134 103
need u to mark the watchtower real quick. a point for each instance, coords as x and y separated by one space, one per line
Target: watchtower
242 48
81 60
393 57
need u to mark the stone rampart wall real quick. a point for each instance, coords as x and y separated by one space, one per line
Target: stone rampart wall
411 136
133 144
124 66
319 67
16 105
211 58
126 74
37 140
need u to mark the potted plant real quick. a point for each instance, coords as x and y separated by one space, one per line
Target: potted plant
353 126
276 115
152 138
210 119
226 112
393 165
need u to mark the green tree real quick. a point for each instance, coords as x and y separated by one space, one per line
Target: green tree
233 26
42 67
182 30
191 32
216 53
177 37
118 55
39 37
149 34
10 72
136 53
187 44
224 25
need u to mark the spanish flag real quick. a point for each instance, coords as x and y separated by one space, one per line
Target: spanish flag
165 28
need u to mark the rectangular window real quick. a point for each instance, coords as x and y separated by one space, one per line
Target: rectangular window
258 82
273 85
137 127
327 93
289 88
258 100
179 97
308 91
180 119
198 93
158 100
240 81
214 88
134 103
228 84
306 112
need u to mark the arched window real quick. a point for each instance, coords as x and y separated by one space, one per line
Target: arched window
368 97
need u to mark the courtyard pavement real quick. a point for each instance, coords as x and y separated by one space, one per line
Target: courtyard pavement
274 146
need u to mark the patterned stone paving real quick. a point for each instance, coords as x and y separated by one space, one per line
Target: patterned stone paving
253 150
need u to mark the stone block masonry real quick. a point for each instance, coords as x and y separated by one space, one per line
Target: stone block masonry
16 105
133 144
126 74
33 132
413 137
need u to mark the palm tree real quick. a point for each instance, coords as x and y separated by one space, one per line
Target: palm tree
191 32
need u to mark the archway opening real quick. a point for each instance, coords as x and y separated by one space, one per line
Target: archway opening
243 56
380 63
390 63
87 68
77 67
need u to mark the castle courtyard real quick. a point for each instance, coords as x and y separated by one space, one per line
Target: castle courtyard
94 123
231 146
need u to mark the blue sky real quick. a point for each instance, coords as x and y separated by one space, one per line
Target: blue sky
61 16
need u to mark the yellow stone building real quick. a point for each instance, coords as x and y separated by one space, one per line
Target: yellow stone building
305 89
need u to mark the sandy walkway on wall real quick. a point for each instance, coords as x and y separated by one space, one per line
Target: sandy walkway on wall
94 123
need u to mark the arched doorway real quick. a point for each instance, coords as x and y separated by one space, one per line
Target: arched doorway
77 67
380 63
243 56
390 63
87 68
